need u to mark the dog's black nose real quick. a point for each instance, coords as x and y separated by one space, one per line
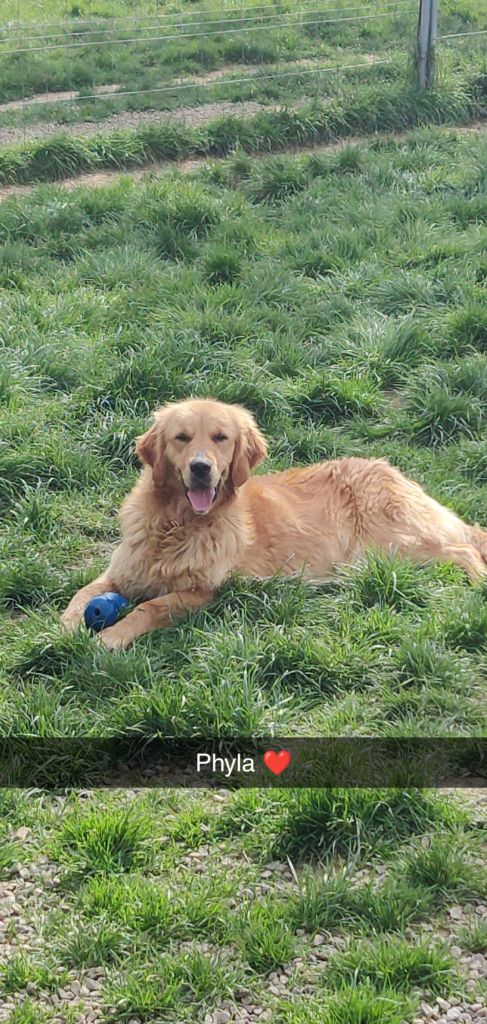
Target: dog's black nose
200 469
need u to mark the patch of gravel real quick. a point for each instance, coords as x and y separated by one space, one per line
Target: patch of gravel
27 896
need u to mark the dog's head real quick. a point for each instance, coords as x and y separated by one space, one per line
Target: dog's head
202 448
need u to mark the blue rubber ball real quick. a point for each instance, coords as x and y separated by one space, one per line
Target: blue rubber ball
104 610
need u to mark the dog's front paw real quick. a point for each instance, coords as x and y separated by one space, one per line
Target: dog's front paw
115 638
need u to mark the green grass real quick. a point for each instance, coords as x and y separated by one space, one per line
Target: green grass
223 38
265 938
474 937
394 963
115 842
443 868
335 904
136 293
350 1004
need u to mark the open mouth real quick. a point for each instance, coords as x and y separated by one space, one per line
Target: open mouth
201 498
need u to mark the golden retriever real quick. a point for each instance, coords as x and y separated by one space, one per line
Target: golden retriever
196 515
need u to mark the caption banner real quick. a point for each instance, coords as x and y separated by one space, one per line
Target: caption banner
236 762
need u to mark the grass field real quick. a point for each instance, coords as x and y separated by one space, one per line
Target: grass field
341 295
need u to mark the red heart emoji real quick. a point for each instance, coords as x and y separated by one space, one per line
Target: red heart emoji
277 760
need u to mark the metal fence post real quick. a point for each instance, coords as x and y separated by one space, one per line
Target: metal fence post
427 31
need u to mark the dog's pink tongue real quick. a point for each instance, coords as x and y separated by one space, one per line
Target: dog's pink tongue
201 498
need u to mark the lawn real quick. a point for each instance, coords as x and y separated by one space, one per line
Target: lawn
341 296
340 293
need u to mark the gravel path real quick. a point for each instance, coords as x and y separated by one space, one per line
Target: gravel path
129 119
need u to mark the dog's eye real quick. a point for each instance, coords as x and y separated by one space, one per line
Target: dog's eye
219 437
183 437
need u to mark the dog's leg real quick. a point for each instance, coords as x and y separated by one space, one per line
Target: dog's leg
479 541
454 541
74 612
407 520
465 555
154 614
438 535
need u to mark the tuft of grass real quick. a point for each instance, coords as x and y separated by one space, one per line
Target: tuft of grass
349 1004
388 582
84 947
338 904
276 180
443 867
264 937
322 823
392 962
438 416
110 841
332 399
466 630
322 905
468 328
222 266
190 978
28 1012
473 937
9 854
21 971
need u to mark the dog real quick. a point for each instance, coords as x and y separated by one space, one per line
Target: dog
196 515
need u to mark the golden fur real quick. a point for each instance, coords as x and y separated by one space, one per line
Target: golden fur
308 520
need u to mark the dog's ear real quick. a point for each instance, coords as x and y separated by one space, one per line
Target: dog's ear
250 449
151 449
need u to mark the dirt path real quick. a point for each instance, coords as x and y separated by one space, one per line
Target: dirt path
109 90
130 120
53 97
97 179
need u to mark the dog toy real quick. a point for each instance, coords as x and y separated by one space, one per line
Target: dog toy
104 610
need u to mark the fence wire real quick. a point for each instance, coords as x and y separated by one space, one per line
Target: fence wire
187 22
199 35
168 14
463 35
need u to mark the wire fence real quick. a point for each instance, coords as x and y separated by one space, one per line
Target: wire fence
139 18
243 29
285 47
233 15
